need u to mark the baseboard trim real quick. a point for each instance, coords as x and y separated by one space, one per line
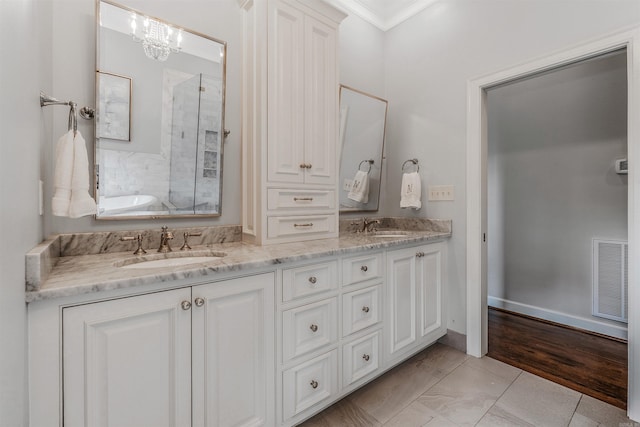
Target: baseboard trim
561 318
455 339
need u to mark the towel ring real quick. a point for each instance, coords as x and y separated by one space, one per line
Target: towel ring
370 162
414 161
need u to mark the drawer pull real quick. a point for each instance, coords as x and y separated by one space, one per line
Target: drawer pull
303 199
419 254
307 224
365 309
365 357
313 328
313 280
314 384
364 268
186 305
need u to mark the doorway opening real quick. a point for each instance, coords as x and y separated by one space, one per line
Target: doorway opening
477 219
557 221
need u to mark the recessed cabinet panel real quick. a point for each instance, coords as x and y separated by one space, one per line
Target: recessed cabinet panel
360 309
286 94
321 101
310 383
309 327
429 274
284 199
233 352
359 269
360 358
309 280
292 227
127 362
401 298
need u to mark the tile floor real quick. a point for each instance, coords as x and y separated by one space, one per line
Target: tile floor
442 386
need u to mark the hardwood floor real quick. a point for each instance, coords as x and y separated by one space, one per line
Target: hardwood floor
585 362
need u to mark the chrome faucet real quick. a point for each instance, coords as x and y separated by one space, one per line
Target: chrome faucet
165 236
368 225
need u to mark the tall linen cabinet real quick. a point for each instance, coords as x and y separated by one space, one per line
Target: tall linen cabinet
290 120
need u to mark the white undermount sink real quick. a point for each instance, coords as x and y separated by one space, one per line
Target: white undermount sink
389 233
174 259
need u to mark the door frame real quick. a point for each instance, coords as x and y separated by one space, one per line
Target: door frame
477 340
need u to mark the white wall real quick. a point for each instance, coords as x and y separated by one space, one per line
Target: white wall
429 59
73 78
25 44
552 187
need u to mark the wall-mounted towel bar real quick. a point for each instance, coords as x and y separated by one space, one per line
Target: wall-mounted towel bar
85 112
415 163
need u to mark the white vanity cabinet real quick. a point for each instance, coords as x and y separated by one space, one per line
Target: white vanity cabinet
330 327
290 120
195 356
127 362
414 299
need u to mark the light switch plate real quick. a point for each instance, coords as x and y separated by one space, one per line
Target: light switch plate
441 192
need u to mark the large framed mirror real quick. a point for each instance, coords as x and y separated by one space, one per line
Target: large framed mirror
160 91
362 131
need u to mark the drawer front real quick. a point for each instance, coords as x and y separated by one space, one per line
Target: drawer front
302 226
359 269
309 383
309 327
360 358
309 280
361 309
300 199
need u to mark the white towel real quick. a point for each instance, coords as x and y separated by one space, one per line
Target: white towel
71 178
411 191
360 187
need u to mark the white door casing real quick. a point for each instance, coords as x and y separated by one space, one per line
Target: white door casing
477 191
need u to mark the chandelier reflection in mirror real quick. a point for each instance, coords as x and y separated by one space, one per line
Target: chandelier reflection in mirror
158 39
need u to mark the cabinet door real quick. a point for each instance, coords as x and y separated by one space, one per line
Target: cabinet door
401 300
429 277
286 94
320 102
127 362
233 352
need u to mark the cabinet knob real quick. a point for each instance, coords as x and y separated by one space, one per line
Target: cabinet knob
305 166
308 165
313 280
419 254
365 357
199 302
365 309
186 305
313 328
364 268
314 384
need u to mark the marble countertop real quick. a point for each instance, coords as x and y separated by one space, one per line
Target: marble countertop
96 272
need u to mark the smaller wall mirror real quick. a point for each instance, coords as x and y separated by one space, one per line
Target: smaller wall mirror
362 131
160 117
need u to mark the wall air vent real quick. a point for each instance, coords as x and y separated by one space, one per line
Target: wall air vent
610 290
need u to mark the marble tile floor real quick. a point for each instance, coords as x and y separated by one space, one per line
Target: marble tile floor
442 386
